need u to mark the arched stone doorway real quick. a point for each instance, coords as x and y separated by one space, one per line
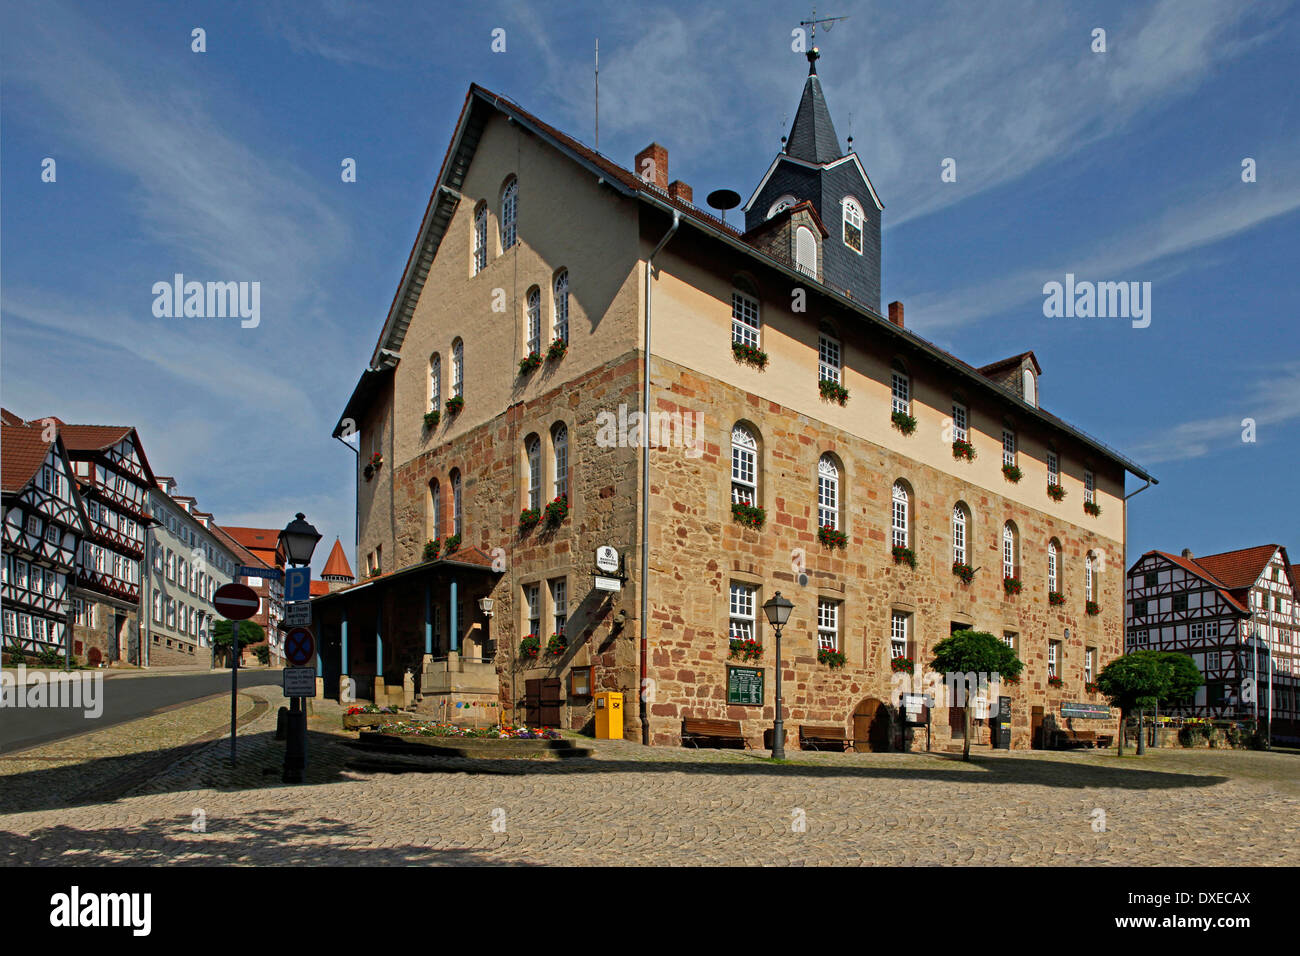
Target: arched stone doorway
871 726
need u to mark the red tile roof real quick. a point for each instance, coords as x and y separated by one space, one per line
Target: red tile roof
337 563
92 437
1240 568
1192 567
22 452
319 587
265 541
243 554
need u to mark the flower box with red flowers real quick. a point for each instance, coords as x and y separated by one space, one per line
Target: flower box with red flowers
376 461
833 391
902 665
431 549
1055 492
528 518
963 571
831 659
749 355
431 419
1010 681
1092 608
904 422
1055 598
529 647
904 556
557 645
455 404
557 350
557 511
746 650
1091 687
1012 473
529 362
832 537
1092 508
452 544
748 515
1011 585
1057 682
963 449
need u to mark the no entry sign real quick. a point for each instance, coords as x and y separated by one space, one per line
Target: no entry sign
235 602
299 646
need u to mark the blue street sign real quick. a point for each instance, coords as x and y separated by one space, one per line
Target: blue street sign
248 571
297 584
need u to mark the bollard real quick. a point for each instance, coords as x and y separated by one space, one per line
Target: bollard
295 751
281 721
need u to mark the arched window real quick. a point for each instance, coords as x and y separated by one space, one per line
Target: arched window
1008 550
828 493
900 512
458 369
560 460
509 213
1030 386
534 320
1088 577
457 524
745 323
852 224
533 452
1052 559
480 238
902 390
435 509
805 251
829 355
960 532
560 326
744 466
782 204
435 382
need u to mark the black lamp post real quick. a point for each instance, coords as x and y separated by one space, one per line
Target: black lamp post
298 539
778 611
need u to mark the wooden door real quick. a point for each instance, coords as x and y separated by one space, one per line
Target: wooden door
1036 728
871 727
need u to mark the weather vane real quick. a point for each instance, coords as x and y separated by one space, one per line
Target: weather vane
812 25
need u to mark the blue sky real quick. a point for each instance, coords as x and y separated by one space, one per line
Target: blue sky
225 166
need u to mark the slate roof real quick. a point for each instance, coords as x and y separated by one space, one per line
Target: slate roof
812 134
1008 363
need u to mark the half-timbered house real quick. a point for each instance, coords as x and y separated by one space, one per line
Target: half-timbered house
44 523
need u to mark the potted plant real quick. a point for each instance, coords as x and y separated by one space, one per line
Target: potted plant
1091 687
557 350
455 404
1092 608
746 650
1055 492
1008 679
902 665
832 537
529 362
452 544
904 422
1055 598
528 518
833 391
749 355
963 449
556 645
376 461
749 515
529 647
431 549
1092 508
1011 584
557 511
904 556
1054 681
963 571
432 418
832 659
1012 473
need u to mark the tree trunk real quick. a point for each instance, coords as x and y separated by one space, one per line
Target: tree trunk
965 719
1142 732
1123 723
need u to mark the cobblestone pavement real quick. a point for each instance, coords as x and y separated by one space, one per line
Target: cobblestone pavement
641 806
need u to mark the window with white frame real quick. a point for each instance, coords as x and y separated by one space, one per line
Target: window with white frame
1088 656
898 634
1089 487
1088 577
805 251
435 382
1008 447
1211 629
744 319
480 238
742 611
1196 631
1008 551
458 368
959 528
1053 469
900 515
1053 657
1213 661
509 214
34 525
560 444
533 603
1051 567
1009 638
901 390
171 565
11 623
534 320
744 466
24 627
435 509
853 225
560 326
828 493
533 451
559 604
828 357
959 421
828 624
157 606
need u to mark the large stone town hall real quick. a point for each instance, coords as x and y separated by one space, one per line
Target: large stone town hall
791 411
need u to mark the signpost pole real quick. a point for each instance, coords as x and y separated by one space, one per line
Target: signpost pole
234 683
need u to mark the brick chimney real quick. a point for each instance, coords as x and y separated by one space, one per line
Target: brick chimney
679 190
896 313
652 166
1187 552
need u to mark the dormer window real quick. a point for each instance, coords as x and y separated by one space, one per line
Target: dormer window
1030 386
805 251
853 225
782 204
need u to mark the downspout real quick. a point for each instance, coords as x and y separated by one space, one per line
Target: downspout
645 479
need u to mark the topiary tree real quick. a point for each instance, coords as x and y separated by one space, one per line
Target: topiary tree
1132 681
977 652
1184 676
249 633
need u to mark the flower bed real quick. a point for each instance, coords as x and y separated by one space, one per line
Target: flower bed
833 391
963 571
904 422
902 665
832 659
1055 492
1011 585
904 556
749 355
368 716
832 537
1092 508
746 650
1012 473
963 449
748 515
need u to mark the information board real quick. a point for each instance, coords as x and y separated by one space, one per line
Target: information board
745 686
1085 711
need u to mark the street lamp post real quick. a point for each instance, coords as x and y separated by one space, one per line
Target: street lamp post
778 611
299 541
485 605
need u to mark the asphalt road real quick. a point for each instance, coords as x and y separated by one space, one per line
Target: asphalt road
124 698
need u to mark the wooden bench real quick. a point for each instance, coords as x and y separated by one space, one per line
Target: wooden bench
712 733
823 738
1081 738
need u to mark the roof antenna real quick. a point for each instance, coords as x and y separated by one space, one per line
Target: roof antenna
812 23
598 94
